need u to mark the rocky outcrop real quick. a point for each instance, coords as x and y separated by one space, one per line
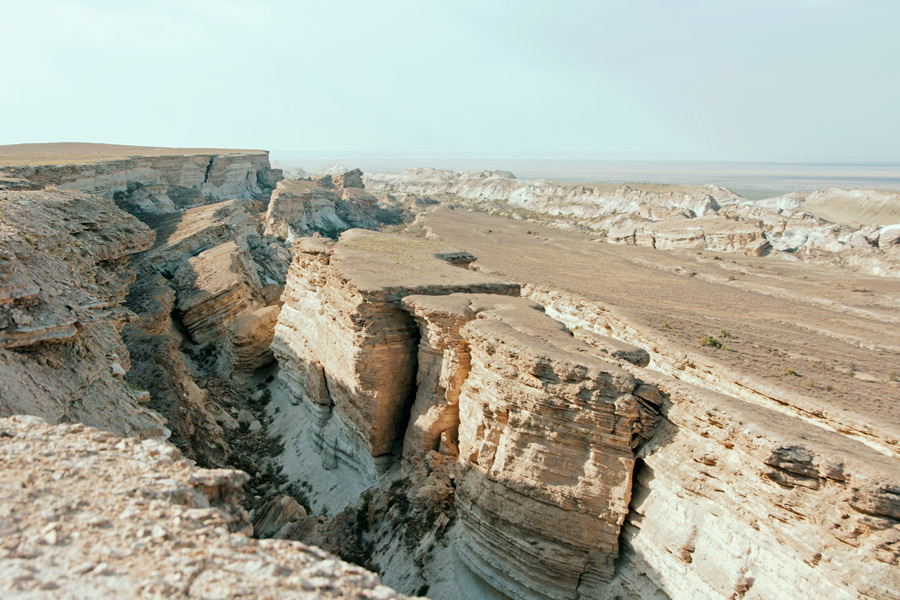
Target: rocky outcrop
542 426
690 366
347 347
348 179
559 465
155 184
303 208
85 514
63 277
734 500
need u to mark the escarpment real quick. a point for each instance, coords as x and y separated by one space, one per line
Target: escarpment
395 346
346 346
836 227
145 180
64 273
560 465
400 403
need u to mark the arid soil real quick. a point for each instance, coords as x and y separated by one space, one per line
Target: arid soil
828 336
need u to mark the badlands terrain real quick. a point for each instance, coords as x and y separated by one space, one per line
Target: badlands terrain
217 380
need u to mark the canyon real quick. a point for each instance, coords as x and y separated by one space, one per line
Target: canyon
473 386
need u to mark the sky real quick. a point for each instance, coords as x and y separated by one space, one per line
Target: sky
771 80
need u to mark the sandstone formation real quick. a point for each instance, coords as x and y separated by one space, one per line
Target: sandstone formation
85 514
545 432
564 467
733 500
422 418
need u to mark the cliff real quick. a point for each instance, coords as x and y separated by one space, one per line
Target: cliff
143 180
64 274
553 463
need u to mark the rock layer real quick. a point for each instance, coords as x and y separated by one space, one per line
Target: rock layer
346 345
64 273
159 184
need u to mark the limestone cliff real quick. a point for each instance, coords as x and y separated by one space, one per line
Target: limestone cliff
302 208
146 181
347 347
560 466
63 278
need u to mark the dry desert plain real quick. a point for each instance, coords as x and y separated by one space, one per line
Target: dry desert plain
816 340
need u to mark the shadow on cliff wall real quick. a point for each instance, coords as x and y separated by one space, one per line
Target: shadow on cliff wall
634 576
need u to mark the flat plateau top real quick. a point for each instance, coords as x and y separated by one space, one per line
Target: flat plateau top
827 335
68 153
378 262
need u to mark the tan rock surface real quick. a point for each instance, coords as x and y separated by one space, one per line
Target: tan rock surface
828 325
84 514
344 341
545 431
64 274
302 208
731 499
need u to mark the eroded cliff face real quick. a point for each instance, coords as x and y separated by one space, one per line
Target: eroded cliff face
161 184
346 346
327 206
536 429
551 465
64 276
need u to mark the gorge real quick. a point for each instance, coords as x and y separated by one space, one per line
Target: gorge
471 385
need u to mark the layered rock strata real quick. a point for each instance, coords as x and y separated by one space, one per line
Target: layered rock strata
546 432
64 273
345 344
303 208
561 466
734 500
154 184
673 359
85 514
835 227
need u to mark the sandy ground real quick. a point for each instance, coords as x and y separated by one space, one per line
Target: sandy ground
827 335
68 153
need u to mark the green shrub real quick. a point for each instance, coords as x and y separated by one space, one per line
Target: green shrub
712 343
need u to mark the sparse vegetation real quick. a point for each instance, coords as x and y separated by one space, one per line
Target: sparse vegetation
158 358
790 373
712 342
892 376
666 324
724 334
362 513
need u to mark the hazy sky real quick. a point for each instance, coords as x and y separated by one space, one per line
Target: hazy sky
708 79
